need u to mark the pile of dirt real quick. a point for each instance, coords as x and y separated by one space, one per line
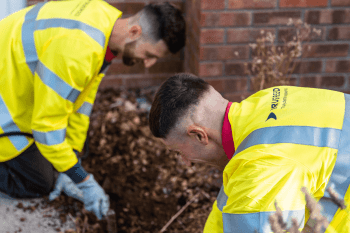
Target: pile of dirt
147 184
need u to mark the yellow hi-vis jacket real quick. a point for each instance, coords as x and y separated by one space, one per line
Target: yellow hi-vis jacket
51 55
285 138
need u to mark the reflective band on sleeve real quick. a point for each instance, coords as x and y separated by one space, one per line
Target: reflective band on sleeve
303 135
85 109
94 33
221 199
8 125
50 138
258 222
28 28
56 83
340 178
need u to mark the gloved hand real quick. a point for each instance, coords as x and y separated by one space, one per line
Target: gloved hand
95 199
65 184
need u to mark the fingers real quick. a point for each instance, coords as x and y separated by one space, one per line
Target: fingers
104 206
54 194
73 191
95 208
57 190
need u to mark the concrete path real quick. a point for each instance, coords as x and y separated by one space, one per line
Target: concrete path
14 219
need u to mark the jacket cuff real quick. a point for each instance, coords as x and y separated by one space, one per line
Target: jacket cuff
77 173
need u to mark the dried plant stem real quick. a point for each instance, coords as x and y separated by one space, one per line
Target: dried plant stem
77 228
316 219
335 198
85 224
179 212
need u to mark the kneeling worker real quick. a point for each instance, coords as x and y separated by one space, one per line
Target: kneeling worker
269 146
51 64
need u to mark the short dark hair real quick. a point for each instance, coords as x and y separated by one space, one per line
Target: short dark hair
172 100
164 21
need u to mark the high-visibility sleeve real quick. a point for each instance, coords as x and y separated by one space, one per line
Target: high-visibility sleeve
64 68
341 219
214 221
78 122
248 197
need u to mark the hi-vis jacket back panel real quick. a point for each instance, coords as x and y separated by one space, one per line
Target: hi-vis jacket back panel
50 59
285 138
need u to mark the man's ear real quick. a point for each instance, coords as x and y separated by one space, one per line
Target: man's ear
199 133
135 32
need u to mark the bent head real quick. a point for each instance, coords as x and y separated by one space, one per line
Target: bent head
153 33
187 114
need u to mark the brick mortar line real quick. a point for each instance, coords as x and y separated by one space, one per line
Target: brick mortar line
278 5
223 68
302 15
324 64
225 35
346 83
306 75
249 82
330 42
329 4
258 26
274 9
311 59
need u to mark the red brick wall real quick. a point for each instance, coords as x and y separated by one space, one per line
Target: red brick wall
137 76
220 31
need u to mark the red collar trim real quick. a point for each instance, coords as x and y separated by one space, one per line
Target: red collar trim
227 139
109 55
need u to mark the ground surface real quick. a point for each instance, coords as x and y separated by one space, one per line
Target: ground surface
147 183
15 217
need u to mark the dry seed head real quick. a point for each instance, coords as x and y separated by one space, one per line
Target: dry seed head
253 46
270 37
290 22
317 31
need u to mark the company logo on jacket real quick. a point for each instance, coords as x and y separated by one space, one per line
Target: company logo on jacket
275 100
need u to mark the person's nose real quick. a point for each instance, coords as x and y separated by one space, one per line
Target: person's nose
149 62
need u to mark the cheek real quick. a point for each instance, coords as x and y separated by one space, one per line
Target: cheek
191 151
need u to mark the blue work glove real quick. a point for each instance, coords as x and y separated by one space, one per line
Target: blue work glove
66 184
95 199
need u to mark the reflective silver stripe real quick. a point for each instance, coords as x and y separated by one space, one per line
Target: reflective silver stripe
340 178
28 28
221 199
258 222
8 125
56 83
303 135
50 138
85 109
253 221
94 33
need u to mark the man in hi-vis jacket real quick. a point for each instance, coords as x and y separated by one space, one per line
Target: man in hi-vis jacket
269 146
51 62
